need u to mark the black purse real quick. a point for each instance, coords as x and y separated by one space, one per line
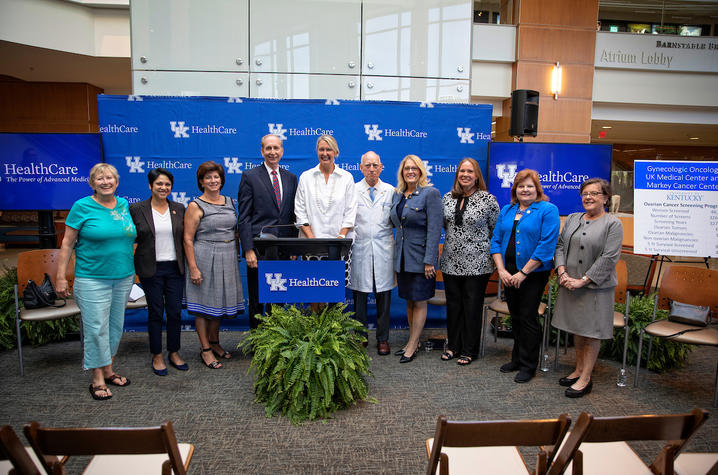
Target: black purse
689 314
39 296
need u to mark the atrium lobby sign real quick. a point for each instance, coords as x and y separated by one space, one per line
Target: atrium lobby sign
676 208
656 52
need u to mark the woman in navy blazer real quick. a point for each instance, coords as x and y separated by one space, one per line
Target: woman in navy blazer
522 246
417 215
159 263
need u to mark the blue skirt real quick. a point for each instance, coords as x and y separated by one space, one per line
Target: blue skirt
415 286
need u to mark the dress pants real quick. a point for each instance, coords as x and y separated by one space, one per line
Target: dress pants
464 312
523 305
164 292
383 307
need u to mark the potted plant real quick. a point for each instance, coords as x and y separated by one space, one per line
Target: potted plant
308 365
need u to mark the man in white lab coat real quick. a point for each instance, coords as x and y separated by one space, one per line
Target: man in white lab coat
373 248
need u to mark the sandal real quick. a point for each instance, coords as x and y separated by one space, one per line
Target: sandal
225 355
214 364
116 377
464 360
446 356
94 389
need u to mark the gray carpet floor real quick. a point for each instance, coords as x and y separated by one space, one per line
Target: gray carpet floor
215 411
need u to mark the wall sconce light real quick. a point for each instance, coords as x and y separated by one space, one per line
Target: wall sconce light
556 81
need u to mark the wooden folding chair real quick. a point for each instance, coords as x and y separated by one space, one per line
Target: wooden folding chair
33 265
598 445
14 455
492 446
115 450
691 285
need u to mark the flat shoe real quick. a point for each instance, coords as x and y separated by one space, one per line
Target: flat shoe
181 367
159 372
509 367
94 389
523 377
446 356
464 361
574 393
566 381
116 377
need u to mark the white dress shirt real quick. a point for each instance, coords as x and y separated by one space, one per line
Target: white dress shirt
326 207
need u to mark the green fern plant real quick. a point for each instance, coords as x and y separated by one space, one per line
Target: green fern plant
665 354
308 365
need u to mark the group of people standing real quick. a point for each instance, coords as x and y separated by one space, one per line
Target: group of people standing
192 254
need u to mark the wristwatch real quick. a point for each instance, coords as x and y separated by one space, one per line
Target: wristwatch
584 278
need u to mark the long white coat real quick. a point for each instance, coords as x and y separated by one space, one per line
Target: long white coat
373 246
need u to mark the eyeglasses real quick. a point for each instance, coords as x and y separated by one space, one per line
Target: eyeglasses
592 194
412 169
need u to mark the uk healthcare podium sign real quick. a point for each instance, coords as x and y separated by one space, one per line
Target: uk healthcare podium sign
301 281
676 208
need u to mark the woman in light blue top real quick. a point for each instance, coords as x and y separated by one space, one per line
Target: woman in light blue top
100 229
522 246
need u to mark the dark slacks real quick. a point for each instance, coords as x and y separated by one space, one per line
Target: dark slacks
383 310
464 312
523 305
164 292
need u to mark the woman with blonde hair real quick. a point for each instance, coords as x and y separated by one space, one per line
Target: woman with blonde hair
100 230
416 214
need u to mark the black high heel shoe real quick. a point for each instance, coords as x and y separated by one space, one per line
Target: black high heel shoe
407 359
570 392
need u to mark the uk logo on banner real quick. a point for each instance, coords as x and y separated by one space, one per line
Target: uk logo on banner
275 282
278 130
135 164
181 197
179 129
465 134
232 165
428 168
507 173
373 131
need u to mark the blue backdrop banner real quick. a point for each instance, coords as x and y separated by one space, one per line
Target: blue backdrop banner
562 168
179 133
46 171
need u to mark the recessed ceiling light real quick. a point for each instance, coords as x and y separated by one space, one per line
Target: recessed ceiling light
693 138
606 127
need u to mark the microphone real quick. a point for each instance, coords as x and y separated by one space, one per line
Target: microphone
263 235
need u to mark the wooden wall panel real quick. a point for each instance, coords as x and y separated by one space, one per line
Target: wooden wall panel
48 107
550 44
577 13
564 116
577 79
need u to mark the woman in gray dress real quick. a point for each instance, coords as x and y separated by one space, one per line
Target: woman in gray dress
214 286
586 256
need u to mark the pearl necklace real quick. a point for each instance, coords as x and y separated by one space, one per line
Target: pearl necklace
317 198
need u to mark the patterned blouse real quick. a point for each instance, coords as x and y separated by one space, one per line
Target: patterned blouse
466 246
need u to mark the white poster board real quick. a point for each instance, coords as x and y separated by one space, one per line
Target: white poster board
676 208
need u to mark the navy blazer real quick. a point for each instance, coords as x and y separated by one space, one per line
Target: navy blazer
257 207
145 257
419 230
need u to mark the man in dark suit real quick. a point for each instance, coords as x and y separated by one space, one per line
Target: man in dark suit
265 201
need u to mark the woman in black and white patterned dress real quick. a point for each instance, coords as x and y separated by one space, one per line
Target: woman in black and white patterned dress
470 213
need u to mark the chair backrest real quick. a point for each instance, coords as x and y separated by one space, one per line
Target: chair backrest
547 432
692 285
641 270
105 441
677 429
12 449
622 274
34 264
